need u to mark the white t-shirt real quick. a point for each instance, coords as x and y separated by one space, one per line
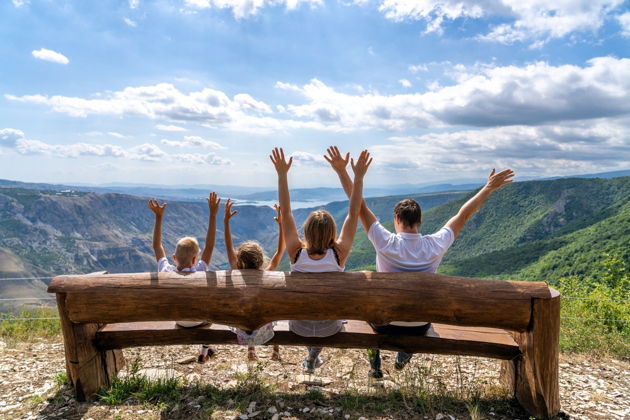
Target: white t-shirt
397 252
164 265
400 252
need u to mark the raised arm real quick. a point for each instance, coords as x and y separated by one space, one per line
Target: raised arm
339 163
495 181
158 209
291 237
227 234
213 206
275 260
349 228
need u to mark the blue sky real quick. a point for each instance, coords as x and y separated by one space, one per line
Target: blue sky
199 91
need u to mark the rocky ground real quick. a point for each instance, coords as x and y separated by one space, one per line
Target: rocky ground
431 387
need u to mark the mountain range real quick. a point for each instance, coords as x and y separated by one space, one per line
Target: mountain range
537 230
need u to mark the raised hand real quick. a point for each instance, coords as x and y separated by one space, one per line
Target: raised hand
213 203
497 180
227 210
336 160
279 161
278 217
156 208
362 165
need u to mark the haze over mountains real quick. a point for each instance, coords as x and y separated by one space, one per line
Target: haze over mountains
531 230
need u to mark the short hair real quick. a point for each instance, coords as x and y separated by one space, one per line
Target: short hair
250 255
408 212
187 248
320 231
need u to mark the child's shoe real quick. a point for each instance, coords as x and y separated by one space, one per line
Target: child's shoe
309 365
205 352
375 374
275 354
402 360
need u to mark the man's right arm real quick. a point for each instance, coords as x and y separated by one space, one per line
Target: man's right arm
339 163
495 181
157 228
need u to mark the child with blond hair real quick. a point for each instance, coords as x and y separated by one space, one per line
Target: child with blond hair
186 255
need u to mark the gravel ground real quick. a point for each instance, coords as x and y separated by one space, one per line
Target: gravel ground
466 387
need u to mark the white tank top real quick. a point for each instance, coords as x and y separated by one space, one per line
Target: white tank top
306 264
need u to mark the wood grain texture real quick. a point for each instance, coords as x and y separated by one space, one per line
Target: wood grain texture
250 298
535 374
440 339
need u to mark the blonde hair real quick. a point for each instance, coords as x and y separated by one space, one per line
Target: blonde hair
320 232
250 255
187 248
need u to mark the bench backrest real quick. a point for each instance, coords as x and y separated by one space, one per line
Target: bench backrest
251 298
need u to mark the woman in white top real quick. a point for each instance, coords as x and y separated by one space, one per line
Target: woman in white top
321 251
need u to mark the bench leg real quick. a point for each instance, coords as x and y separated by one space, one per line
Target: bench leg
534 376
88 368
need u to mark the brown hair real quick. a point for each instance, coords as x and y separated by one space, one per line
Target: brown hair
187 248
250 255
408 212
320 231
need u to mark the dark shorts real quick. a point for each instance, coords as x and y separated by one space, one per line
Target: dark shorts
398 330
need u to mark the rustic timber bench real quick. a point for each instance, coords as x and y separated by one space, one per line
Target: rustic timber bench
518 322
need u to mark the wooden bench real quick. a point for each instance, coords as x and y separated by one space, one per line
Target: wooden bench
518 322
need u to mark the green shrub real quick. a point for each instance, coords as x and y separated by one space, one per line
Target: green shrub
595 313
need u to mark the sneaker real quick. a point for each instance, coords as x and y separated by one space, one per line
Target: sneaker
375 374
310 365
400 364
205 353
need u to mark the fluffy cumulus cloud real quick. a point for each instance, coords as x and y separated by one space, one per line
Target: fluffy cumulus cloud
166 127
194 142
247 8
551 149
481 96
209 107
532 20
16 140
50 55
306 158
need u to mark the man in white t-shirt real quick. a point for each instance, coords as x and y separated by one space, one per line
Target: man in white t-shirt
407 249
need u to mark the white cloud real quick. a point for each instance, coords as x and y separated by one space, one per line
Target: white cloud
19 3
130 22
544 150
306 158
405 83
133 4
537 20
247 8
10 136
194 142
50 55
483 95
117 135
163 127
418 68
15 140
624 21
209 107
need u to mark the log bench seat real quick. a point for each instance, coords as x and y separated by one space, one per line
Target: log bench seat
440 338
518 322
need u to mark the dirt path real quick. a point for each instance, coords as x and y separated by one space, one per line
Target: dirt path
446 387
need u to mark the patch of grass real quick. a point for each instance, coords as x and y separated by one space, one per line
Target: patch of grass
27 324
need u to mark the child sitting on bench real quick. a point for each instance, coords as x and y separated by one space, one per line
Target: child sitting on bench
250 255
186 254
